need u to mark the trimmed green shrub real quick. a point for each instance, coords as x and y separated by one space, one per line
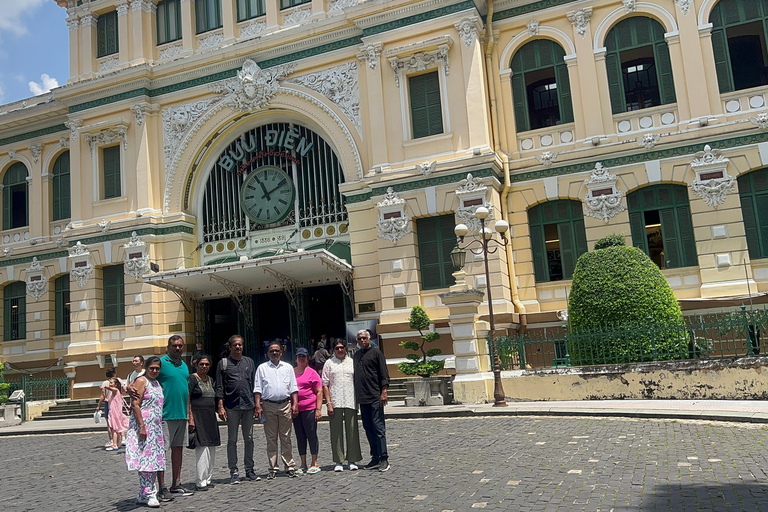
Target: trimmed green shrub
621 308
421 365
4 386
614 240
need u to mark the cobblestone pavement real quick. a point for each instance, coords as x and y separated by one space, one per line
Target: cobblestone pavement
506 463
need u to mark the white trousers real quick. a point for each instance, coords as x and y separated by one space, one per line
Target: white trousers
205 457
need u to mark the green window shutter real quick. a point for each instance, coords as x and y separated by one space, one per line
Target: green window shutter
637 228
722 61
567 251
436 241
750 226
580 236
62 305
426 107
7 221
539 249
518 95
61 188
106 34
671 239
615 82
564 93
664 70
111 157
687 240
447 243
15 318
114 295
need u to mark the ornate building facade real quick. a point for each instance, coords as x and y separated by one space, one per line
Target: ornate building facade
281 167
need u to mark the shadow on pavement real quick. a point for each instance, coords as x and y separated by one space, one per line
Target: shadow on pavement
702 497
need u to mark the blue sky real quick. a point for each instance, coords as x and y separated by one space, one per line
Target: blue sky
34 48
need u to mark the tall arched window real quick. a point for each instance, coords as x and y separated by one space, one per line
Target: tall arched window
739 31
753 192
541 90
660 221
15 197
638 65
15 311
61 195
557 238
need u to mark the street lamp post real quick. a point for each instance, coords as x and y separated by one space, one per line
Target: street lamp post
457 258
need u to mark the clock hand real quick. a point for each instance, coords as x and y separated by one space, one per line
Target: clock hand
266 194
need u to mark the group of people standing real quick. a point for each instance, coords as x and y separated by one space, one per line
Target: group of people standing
168 402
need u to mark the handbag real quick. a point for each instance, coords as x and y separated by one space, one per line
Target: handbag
97 417
192 438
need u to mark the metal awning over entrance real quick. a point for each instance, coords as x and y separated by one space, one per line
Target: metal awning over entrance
286 272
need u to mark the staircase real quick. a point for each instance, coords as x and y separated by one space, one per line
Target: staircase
71 409
396 390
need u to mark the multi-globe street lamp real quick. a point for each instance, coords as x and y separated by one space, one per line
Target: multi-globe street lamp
487 245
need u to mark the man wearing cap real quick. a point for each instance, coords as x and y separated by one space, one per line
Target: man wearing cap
277 398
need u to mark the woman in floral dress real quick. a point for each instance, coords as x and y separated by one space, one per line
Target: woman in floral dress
144 441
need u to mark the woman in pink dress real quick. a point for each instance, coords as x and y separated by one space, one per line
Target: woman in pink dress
144 450
116 419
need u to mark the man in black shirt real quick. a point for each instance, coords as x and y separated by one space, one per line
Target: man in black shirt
234 394
371 383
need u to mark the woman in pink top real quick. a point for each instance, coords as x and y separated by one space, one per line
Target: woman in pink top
310 410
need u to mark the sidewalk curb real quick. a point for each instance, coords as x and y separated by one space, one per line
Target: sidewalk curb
728 416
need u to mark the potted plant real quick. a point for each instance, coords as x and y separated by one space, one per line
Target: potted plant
426 390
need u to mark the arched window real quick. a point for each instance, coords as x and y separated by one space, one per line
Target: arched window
739 30
61 195
541 91
660 221
557 238
15 197
753 192
638 65
15 311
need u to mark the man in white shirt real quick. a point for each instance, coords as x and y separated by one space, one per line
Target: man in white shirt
138 369
277 398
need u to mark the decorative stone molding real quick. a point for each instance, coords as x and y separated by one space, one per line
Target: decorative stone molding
468 29
712 182
472 194
684 5
296 16
136 262
73 23
547 158
427 168
212 40
253 29
533 28
11 155
7 251
580 20
80 266
648 140
88 20
170 52
370 53
118 133
177 121
393 222
253 88
36 150
420 61
104 225
122 8
74 126
36 282
761 121
340 85
629 5
603 200
337 5
143 5
108 64
63 142
140 110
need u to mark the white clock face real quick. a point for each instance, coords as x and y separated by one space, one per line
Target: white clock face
267 195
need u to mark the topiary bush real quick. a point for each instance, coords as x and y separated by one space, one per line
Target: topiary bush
421 365
621 308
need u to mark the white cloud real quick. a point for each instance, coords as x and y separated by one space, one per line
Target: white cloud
46 84
11 13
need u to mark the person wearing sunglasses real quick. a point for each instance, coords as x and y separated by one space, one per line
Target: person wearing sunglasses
339 390
371 383
203 426
276 395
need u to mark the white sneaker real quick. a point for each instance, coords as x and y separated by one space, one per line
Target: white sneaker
108 444
352 467
339 468
153 503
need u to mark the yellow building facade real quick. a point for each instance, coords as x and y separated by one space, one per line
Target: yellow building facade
283 167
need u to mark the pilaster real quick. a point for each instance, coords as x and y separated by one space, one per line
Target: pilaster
474 82
125 51
693 64
273 13
73 24
188 26
229 20
87 45
372 92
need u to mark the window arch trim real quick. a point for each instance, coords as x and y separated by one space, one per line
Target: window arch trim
655 12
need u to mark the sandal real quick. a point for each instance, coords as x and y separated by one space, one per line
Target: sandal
301 471
313 470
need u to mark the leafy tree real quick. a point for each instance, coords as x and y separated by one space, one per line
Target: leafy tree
4 386
421 364
621 308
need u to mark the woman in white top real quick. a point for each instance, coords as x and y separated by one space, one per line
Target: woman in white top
339 390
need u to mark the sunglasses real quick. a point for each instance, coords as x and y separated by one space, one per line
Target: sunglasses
275 351
339 348
153 369
203 364
362 337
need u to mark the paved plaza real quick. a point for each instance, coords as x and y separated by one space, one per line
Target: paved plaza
458 464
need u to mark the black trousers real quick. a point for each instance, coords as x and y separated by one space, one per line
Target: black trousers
305 427
375 430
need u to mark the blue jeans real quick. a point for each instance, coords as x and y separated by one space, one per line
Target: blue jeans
375 430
